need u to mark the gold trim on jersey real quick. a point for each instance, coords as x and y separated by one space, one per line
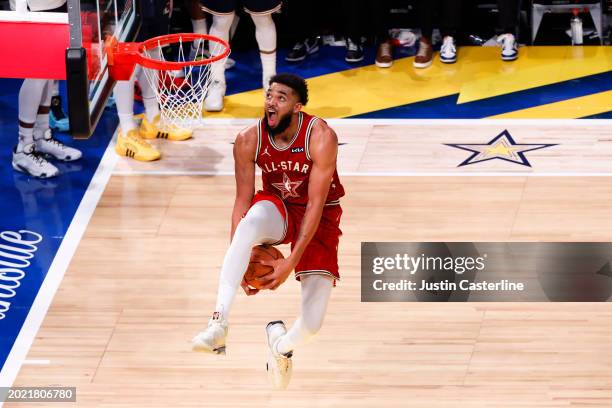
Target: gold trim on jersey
295 136
263 13
217 13
317 272
258 140
307 140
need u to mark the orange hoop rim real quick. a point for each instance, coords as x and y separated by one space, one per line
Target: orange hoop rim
162 40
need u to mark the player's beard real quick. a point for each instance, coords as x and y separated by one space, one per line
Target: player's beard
283 124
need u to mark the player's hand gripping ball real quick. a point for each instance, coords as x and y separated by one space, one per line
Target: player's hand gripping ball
256 269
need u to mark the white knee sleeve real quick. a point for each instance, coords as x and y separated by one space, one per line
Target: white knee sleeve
265 32
262 224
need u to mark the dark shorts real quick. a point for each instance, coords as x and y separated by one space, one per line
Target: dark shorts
155 19
321 254
221 7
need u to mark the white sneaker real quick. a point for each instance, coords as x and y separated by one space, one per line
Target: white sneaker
279 366
509 47
448 51
214 99
212 340
29 161
51 146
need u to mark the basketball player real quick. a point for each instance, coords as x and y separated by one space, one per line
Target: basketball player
36 142
299 204
223 12
130 140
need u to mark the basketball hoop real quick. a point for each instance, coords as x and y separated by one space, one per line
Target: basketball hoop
180 85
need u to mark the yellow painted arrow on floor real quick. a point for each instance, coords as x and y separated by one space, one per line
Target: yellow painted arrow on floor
478 74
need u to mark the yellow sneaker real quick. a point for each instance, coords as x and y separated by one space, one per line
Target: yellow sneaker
150 130
132 145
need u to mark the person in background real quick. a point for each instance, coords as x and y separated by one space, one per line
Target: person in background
449 17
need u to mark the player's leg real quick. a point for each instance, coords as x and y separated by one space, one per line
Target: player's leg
316 291
43 137
262 224
150 127
265 34
25 157
317 270
223 15
129 142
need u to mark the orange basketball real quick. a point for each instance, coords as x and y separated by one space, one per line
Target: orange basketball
256 269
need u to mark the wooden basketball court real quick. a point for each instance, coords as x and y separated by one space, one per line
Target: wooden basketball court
144 278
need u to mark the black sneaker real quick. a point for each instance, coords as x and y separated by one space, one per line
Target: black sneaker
354 52
302 49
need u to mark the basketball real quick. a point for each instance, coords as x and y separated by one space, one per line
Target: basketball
256 269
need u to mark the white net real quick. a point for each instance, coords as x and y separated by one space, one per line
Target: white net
181 92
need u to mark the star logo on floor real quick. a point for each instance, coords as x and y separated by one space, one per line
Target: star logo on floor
287 187
501 147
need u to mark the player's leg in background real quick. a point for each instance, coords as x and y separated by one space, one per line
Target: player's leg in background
508 23
316 291
58 120
198 22
129 142
43 137
221 29
262 224
25 157
265 34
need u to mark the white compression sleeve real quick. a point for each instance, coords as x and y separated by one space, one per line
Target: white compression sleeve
316 290
262 224
265 33
220 28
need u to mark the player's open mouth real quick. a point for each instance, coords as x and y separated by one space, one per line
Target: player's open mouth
272 115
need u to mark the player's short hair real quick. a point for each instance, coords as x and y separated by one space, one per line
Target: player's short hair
295 82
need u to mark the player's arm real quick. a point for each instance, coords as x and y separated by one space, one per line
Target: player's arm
323 152
244 167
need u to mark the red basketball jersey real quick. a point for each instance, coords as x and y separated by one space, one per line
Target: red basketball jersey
286 171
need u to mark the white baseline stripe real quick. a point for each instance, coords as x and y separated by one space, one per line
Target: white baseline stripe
427 122
58 267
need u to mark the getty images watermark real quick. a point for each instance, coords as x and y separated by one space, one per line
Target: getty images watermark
485 272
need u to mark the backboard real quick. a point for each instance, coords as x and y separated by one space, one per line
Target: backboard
88 79
70 46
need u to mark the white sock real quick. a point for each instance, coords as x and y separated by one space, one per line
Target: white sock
262 224
265 33
124 98
26 138
149 100
41 126
220 28
268 65
316 290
